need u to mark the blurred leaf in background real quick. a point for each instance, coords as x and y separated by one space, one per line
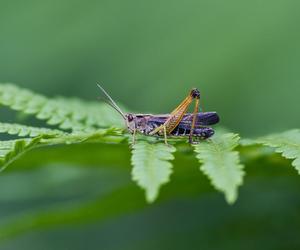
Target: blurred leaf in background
80 204
243 56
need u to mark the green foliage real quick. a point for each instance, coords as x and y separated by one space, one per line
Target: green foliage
287 143
151 166
78 121
221 163
21 130
10 150
66 113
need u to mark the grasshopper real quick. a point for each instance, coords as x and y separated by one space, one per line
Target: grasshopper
178 123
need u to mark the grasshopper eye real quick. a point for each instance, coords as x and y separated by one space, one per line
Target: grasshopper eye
130 117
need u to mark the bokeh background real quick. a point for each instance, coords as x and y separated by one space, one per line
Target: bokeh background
242 55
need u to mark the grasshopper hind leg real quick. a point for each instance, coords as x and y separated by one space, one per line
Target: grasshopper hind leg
196 108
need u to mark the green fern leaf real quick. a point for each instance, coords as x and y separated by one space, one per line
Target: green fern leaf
151 166
286 143
221 163
69 113
110 135
22 130
12 149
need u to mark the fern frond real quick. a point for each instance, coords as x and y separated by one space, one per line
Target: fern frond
151 166
12 149
110 135
286 143
66 113
221 163
97 122
22 130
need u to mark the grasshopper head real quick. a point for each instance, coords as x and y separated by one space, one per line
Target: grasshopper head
130 122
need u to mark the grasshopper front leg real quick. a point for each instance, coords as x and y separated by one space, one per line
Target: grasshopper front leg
133 136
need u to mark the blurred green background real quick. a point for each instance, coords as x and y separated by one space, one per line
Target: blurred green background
242 55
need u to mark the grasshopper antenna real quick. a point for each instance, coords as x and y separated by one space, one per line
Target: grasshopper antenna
111 102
